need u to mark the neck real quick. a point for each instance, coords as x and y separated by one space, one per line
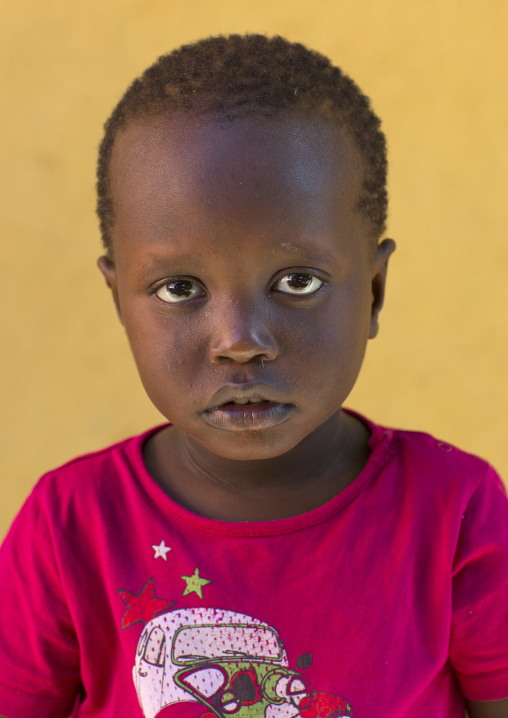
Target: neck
305 477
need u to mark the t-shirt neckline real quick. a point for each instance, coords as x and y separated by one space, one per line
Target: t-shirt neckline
379 437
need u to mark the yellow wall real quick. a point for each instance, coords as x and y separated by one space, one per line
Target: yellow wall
436 72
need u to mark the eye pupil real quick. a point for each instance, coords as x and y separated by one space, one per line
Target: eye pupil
299 281
180 288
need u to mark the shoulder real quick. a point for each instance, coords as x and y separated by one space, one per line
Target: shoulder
429 468
446 481
98 474
85 508
428 451
420 451
449 500
447 462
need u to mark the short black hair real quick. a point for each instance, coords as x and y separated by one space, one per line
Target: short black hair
235 75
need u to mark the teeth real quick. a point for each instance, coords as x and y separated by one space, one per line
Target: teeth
254 400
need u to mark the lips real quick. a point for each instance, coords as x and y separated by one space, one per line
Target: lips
247 407
253 393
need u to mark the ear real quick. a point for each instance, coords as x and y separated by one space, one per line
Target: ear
107 267
379 269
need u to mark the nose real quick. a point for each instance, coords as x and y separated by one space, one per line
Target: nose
241 335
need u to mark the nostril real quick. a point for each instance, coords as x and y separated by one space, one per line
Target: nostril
243 348
255 358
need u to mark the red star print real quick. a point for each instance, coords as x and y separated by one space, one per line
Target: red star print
142 606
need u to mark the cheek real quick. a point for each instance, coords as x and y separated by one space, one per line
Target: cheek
163 349
335 343
338 328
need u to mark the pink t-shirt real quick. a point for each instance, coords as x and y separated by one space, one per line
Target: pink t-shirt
390 600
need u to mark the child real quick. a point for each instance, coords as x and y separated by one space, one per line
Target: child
266 553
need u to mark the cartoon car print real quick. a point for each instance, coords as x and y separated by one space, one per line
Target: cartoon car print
230 663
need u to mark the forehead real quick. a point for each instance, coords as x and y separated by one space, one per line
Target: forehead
265 174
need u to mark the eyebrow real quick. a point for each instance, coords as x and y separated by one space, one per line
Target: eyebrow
319 255
152 261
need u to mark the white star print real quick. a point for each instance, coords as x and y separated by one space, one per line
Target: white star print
161 550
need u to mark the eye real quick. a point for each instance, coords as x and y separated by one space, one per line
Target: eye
298 283
179 290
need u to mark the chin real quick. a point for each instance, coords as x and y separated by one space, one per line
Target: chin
252 446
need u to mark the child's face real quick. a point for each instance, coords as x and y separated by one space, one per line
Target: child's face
239 258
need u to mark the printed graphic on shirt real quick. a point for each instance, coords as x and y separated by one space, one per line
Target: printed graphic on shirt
142 606
225 664
161 550
194 584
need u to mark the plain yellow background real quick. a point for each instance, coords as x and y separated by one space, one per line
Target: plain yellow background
436 73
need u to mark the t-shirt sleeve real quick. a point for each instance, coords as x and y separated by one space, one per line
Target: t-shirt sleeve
39 652
479 634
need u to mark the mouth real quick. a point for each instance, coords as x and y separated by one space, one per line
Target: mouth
243 402
244 407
